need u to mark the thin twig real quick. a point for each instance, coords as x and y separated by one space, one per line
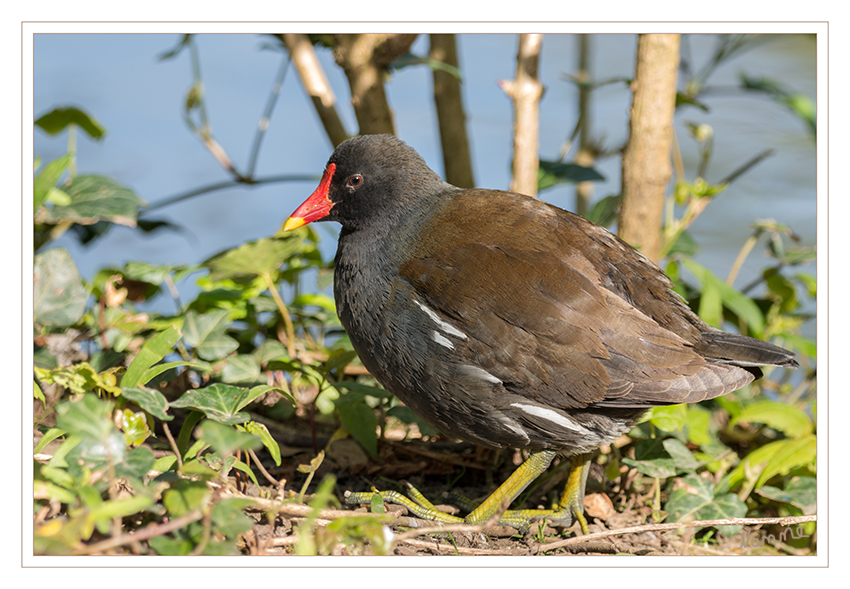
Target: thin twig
746 166
284 312
263 470
173 444
145 533
226 184
263 124
732 521
457 549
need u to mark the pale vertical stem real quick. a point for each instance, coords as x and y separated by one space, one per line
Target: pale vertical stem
526 91
646 160
316 84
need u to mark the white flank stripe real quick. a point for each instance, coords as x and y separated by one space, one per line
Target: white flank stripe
449 329
513 426
549 415
476 372
443 340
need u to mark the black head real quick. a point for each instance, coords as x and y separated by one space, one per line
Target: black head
369 179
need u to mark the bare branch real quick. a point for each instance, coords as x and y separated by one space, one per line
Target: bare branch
364 58
526 91
586 155
732 521
646 160
450 115
316 84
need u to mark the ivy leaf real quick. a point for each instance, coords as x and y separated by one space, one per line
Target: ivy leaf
206 333
228 517
59 297
242 368
697 501
224 439
59 119
802 492
652 459
96 198
151 400
255 258
219 402
185 496
682 457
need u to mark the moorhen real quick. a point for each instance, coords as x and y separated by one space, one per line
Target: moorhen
507 322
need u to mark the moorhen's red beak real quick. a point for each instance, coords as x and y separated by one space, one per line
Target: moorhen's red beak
316 207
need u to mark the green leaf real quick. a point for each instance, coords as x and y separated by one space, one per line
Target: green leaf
59 119
359 420
604 212
135 427
774 458
686 100
47 179
685 245
409 59
206 333
228 517
158 369
185 496
89 418
96 198
262 432
362 389
669 418
106 511
715 288
219 402
790 455
165 546
53 492
652 459
154 350
803 345
241 466
698 502
224 439
801 492
406 415
151 400
698 421
59 297
137 464
788 419
682 457
255 258
48 437
164 463
552 173
242 368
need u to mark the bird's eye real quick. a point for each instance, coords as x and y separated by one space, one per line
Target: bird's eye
355 180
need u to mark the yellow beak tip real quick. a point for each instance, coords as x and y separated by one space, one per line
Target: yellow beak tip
293 223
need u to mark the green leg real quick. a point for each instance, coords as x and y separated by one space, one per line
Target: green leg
570 507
